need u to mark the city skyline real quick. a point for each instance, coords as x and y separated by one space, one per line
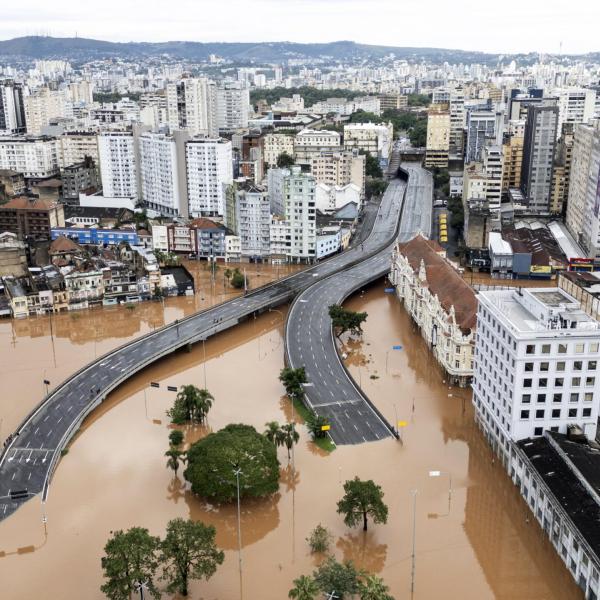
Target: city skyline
559 28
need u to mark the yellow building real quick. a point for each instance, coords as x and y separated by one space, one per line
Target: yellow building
438 136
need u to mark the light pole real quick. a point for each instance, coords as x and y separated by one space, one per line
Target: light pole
237 472
204 360
397 347
414 539
46 383
140 586
438 474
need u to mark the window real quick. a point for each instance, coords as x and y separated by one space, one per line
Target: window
559 382
572 412
588 397
530 349
557 398
591 365
560 366
527 383
528 367
577 365
586 412
556 413
579 348
543 382
526 398
575 381
574 397
541 398
545 348
562 348
594 347
544 366
524 414
539 414
538 431
590 381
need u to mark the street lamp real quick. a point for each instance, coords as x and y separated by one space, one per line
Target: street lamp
414 539
438 474
46 383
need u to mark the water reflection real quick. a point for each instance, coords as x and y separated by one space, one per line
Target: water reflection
363 550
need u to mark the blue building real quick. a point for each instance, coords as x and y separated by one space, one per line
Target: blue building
95 237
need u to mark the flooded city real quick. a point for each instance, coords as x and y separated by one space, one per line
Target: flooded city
474 535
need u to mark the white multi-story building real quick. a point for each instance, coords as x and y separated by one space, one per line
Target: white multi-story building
375 138
300 212
253 221
160 238
233 248
233 106
457 123
40 107
492 167
329 198
162 172
33 156
440 302
275 179
118 164
192 105
76 145
275 144
280 239
575 105
311 142
12 109
535 368
339 169
81 91
209 172
438 136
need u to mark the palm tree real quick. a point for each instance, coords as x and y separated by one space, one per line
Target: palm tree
373 588
274 433
202 404
191 404
173 457
305 588
290 436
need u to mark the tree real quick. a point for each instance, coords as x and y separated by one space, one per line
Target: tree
211 463
346 320
289 436
176 438
315 424
363 116
419 100
418 134
372 167
292 380
305 588
274 433
341 578
284 160
238 279
362 499
189 552
173 457
372 587
131 559
191 404
319 539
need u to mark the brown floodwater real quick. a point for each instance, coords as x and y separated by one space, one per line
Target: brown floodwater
476 542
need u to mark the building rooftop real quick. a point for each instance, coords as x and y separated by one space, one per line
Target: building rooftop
29 203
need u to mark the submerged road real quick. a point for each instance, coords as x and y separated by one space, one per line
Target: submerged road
331 391
33 452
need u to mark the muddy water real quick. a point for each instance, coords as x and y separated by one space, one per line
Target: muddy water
472 543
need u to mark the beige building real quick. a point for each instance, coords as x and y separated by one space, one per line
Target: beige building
339 169
375 138
42 106
392 102
13 259
440 302
75 146
512 152
562 171
311 142
275 144
438 136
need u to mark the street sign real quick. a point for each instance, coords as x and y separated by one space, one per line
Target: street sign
396 347
325 427
154 384
402 423
172 388
434 473
46 382
389 290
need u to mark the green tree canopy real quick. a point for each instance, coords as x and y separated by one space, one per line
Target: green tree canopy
371 587
211 463
131 559
346 320
189 552
319 539
341 578
363 116
292 380
362 499
237 279
284 160
191 404
173 457
372 168
419 100
305 588
274 433
176 437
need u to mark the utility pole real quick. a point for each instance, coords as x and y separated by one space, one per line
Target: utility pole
414 538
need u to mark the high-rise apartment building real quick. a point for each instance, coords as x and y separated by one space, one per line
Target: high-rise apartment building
233 106
76 145
300 212
253 221
192 105
41 107
536 366
12 108
575 105
438 136
118 164
512 151
209 164
538 155
482 129
457 123
492 166
35 157
339 168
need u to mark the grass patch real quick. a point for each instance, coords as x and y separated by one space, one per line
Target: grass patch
64 452
324 443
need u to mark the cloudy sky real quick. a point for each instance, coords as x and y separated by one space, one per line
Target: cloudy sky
500 26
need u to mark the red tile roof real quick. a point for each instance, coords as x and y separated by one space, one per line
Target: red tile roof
27 203
443 280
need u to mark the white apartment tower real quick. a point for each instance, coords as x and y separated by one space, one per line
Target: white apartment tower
535 367
233 106
300 212
12 109
575 105
492 166
253 222
192 105
209 172
118 168
33 156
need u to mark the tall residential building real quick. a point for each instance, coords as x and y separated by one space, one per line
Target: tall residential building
253 221
118 164
457 123
12 108
392 101
438 136
81 91
538 155
275 144
163 182
536 366
512 151
300 212
492 166
41 107
35 157
76 145
209 171
575 105
375 138
311 142
192 105
275 180
583 205
562 170
233 106
482 129
339 169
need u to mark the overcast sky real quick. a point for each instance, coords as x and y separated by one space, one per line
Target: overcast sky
491 26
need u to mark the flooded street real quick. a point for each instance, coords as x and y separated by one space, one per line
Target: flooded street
473 535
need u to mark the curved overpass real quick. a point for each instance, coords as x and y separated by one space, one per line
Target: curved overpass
28 461
331 391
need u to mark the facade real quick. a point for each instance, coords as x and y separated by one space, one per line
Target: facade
438 136
311 142
512 160
329 198
96 236
211 243
440 302
160 238
209 171
275 144
77 178
35 157
12 108
192 105
329 241
31 217
339 169
233 107
13 258
300 212
392 102
457 123
253 222
492 167
377 139
575 105
75 146
41 107
482 128
233 248
538 156
536 357
118 164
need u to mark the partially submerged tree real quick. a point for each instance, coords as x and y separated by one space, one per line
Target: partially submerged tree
191 404
319 539
344 320
189 552
340 578
292 380
173 457
289 437
315 424
305 588
362 499
371 587
274 433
